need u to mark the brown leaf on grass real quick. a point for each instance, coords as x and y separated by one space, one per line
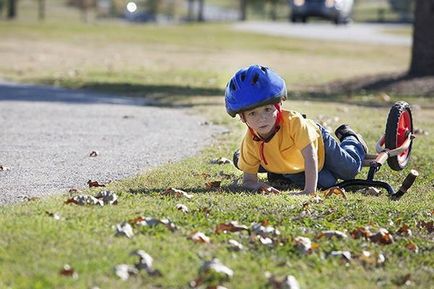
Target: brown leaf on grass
107 197
288 282
361 232
335 191
232 226
68 271
404 231
94 154
330 234
124 229
83 200
303 245
264 230
382 237
124 271
371 191
235 245
221 161
212 274
344 255
429 226
74 191
4 168
199 237
56 216
367 259
412 247
94 184
150 222
145 263
176 193
212 185
182 208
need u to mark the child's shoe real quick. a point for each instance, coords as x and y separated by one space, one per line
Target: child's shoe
345 130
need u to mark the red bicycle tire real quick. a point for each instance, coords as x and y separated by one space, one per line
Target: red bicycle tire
399 124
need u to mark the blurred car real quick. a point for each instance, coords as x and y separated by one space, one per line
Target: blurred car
339 11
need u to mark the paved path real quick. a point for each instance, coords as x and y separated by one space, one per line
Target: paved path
47 134
354 32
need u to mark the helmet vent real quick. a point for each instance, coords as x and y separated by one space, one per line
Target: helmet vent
263 68
255 78
232 86
243 76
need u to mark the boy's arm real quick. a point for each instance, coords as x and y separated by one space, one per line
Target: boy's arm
250 181
310 168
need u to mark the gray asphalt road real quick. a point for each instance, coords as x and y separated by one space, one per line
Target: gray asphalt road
354 32
47 134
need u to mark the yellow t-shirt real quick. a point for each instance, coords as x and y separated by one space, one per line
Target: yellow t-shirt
283 152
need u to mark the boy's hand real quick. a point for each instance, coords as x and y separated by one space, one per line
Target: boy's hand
266 189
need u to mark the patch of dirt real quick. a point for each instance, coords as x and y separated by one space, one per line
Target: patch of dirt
397 84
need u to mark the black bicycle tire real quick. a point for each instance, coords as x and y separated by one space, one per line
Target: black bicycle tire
392 132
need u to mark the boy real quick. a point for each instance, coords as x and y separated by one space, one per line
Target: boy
284 142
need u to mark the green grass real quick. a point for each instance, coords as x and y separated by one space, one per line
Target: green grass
189 65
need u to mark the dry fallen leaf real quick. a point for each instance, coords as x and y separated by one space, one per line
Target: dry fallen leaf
262 229
367 259
303 245
344 255
335 191
68 271
149 221
176 193
182 208
382 237
235 245
94 184
212 274
124 271
56 216
200 237
221 161
124 229
232 226
83 200
94 154
212 185
412 247
429 226
145 263
289 282
404 231
371 191
4 168
331 234
361 232
107 197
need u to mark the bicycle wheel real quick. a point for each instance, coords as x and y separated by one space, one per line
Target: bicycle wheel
399 125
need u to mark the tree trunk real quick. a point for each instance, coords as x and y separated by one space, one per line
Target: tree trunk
190 10
12 9
422 58
41 9
243 10
200 17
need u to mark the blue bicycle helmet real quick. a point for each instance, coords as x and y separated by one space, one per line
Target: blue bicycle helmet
253 86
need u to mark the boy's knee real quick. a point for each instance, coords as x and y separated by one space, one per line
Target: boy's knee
350 172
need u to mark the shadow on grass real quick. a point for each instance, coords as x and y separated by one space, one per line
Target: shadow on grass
111 93
161 95
396 85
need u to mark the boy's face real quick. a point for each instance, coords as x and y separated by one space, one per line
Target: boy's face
261 119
